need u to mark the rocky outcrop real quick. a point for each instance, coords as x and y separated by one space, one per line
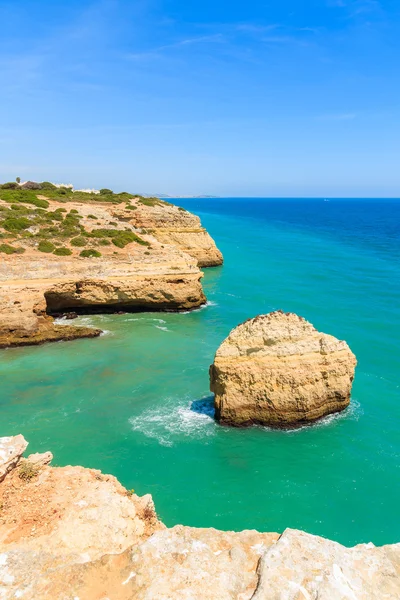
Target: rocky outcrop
11 450
148 274
68 533
174 225
278 370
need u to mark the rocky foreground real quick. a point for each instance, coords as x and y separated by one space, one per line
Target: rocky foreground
72 533
278 370
64 251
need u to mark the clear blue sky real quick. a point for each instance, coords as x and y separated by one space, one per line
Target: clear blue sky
275 98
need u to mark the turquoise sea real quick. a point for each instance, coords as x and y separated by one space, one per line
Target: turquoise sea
135 402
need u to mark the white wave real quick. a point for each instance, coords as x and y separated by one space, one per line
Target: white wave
202 307
170 422
106 332
61 321
162 328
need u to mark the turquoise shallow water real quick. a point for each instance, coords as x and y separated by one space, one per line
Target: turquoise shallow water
135 402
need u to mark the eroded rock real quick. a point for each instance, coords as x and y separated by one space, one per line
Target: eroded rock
68 533
11 450
278 370
173 225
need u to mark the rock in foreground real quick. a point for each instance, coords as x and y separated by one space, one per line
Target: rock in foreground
278 370
73 533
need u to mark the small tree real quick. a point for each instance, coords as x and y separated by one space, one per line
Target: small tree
18 180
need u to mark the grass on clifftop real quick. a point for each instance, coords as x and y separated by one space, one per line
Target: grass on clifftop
10 192
25 215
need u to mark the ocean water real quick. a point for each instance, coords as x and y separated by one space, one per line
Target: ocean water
135 402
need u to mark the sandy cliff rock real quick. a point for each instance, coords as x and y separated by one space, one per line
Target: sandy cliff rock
278 370
142 275
68 533
171 224
11 450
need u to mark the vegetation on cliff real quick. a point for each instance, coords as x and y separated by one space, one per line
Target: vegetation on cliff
36 215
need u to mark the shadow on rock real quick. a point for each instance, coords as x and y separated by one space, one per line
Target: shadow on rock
204 406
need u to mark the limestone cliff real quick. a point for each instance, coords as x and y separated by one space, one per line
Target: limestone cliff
91 254
73 533
278 370
174 225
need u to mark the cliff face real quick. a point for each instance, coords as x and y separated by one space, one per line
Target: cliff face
87 255
278 370
170 224
68 533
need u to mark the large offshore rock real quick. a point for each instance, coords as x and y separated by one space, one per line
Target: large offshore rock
278 370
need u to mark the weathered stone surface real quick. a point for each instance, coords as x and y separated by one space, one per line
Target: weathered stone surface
68 533
306 567
40 459
158 274
11 450
278 370
170 224
185 562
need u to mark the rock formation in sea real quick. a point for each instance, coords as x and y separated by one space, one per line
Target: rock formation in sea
70 532
62 250
278 370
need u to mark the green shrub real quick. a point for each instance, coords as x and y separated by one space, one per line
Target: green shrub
123 238
92 217
46 246
152 201
90 253
73 211
46 185
10 185
78 242
7 249
182 209
106 192
16 224
27 470
62 251
131 207
36 202
20 208
104 242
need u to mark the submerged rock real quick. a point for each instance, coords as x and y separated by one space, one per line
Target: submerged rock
278 370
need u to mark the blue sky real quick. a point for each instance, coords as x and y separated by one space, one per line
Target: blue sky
274 98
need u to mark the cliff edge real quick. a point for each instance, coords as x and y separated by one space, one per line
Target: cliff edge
70 532
65 251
